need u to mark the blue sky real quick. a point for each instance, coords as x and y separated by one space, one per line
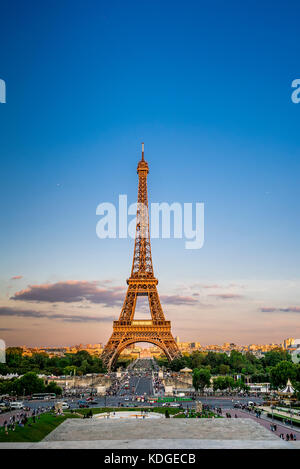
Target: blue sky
207 87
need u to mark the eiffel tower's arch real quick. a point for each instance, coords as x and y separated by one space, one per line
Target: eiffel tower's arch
142 282
126 344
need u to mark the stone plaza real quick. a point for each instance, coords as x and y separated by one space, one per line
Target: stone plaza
135 433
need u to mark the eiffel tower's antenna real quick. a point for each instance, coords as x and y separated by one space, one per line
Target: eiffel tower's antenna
143 151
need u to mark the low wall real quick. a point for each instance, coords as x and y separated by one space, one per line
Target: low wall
95 381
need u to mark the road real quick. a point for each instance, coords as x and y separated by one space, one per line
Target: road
141 386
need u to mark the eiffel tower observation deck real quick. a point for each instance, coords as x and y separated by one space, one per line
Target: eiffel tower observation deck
141 282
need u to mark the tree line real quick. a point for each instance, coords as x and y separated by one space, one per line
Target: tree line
79 363
275 367
26 385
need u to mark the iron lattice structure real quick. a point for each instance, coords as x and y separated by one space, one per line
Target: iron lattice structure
142 282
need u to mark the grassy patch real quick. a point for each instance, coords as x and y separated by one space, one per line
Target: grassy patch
204 415
159 410
99 410
283 418
33 432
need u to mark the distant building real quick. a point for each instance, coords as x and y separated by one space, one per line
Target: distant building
294 348
259 388
288 342
195 345
296 356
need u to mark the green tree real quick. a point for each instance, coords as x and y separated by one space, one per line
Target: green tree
224 369
230 383
296 383
260 378
197 359
219 383
162 362
84 367
283 371
70 370
54 388
201 378
40 360
30 383
275 356
178 363
223 382
236 360
240 385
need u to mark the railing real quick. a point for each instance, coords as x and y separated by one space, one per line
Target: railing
142 322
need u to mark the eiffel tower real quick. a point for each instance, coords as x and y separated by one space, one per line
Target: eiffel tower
127 330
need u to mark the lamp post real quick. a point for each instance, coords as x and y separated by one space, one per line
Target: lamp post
272 413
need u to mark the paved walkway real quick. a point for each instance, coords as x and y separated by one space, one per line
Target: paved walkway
284 412
7 415
212 429
265 422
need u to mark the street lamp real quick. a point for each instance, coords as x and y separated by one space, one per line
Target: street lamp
291 414
272 413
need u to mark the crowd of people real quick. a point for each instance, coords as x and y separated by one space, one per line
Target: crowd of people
22 419
288 436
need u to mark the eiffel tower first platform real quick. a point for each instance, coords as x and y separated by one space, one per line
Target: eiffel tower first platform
142 282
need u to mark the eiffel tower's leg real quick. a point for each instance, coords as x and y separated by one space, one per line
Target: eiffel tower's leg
171 346
110 350
155 306
115 340
129 305
158 315
117 346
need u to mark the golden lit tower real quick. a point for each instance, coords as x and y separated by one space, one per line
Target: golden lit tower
142 282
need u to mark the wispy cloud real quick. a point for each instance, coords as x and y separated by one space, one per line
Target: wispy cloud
227 296
289 309
81 290
178 300
30 313
215 286
71 291
16 277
